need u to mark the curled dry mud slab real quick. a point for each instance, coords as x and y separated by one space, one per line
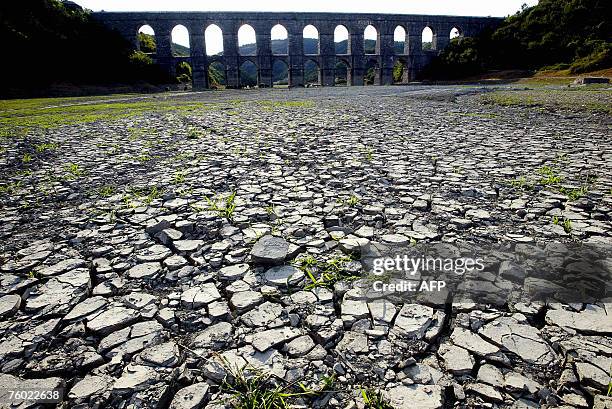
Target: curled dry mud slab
122 282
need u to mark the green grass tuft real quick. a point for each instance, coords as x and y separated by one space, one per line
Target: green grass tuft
224 207
374 400
324 273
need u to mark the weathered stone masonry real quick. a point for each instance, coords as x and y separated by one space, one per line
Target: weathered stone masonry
413 57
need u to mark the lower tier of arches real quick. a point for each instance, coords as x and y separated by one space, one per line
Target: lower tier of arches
301 71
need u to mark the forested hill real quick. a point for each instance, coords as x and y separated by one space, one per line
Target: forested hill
556 34
44 41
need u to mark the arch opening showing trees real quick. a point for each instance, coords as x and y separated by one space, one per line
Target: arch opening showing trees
280 74
247 41
372 76
248 75
280 40
216 75
311 40
400 72
341 40
184 73
312 73
370 40
180 41
399 40
428 39
342 73
146 40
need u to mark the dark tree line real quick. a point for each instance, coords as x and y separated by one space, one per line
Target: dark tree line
45 42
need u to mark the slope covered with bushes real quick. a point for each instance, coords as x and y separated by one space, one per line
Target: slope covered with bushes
562 34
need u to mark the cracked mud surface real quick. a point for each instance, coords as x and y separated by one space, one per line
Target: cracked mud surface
147 258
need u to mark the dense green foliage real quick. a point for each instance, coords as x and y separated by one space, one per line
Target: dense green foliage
574 34
183 72
49 42
147 43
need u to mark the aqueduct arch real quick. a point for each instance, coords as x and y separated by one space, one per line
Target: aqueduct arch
415 58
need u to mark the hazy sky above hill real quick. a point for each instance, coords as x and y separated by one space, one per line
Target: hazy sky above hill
497 8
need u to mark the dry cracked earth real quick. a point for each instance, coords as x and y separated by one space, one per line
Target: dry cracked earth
177 258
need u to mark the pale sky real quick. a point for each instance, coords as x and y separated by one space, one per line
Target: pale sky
496 8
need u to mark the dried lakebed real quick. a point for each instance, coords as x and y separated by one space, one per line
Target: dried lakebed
155 250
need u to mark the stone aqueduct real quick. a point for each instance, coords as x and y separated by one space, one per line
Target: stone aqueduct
413 57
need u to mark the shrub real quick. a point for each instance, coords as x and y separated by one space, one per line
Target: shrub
599 58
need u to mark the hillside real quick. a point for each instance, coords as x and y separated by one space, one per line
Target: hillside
559 34
48 42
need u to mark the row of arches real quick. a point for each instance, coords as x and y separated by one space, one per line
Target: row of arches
249 73
247 40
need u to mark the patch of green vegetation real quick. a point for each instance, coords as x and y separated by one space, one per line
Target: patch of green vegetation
521 183
367 152
254 388
135 133
145 157
352 201
142 195
74 170
240 151
565 223
154 193
324 273
41 148
610 383
257 392
193 133
587 98
179 178
574 194
507 99
287 104
223 206
271 210
23 116
10 188
544 81
374 400
26 158
549 176
106 191
24 172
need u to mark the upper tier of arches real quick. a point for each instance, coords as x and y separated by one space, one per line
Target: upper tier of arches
335 39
